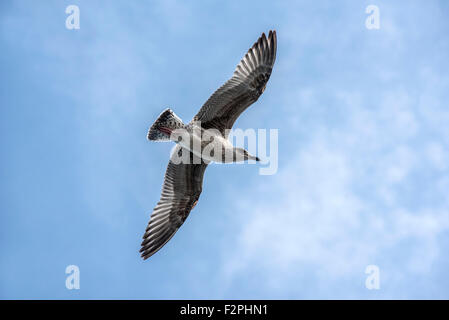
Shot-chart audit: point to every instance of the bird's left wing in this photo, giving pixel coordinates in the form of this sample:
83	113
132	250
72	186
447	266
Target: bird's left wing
244	88
180	192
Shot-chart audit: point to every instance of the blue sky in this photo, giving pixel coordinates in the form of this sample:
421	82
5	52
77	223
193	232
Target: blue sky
363	171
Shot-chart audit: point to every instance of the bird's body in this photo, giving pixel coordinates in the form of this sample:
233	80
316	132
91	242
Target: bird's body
211	141
207	144
204	140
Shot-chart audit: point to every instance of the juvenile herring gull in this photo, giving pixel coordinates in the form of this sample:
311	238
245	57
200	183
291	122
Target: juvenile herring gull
183	180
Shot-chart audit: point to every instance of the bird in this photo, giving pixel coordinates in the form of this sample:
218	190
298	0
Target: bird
183	180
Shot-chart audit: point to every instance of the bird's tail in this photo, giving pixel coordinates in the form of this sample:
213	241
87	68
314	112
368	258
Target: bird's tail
163	127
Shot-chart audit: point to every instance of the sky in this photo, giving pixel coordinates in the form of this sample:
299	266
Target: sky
363	150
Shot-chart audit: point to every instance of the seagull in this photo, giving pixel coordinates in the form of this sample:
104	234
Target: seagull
183	180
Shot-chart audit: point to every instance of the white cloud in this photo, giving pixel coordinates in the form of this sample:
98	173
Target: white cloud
365	178
343	200
438	155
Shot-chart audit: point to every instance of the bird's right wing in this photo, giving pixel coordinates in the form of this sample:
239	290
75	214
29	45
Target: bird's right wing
244	88
180	192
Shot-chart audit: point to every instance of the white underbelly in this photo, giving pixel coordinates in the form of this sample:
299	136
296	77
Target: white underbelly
211	151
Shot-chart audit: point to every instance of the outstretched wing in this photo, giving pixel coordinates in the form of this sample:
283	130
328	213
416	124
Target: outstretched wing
244	88
180	192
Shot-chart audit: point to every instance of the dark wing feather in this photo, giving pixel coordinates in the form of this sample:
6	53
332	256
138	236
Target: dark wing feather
244	88
180	192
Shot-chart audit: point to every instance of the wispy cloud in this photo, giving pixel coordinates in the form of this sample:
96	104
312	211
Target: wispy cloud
364	165
347	199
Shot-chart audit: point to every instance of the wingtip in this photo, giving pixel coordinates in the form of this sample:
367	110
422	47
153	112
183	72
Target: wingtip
144	258
144	254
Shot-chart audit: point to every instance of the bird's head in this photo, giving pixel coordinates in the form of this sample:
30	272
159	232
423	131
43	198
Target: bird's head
241	155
